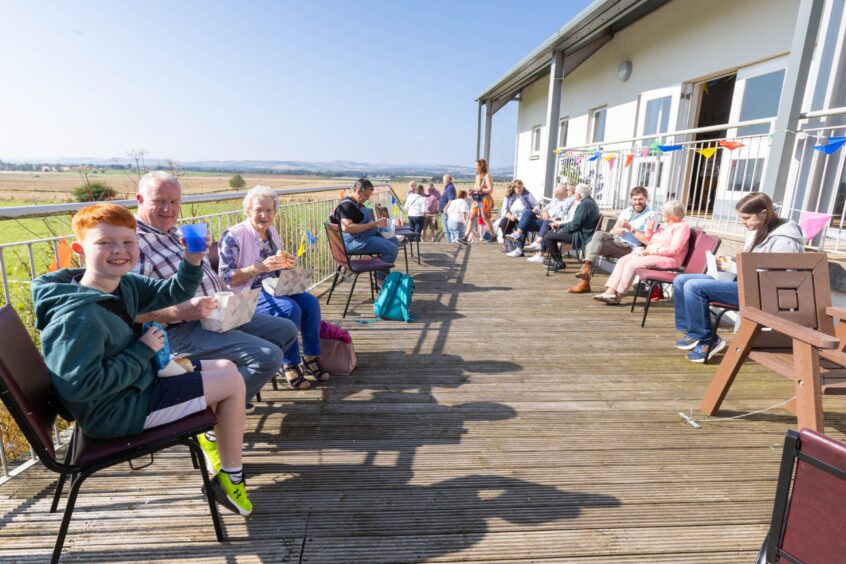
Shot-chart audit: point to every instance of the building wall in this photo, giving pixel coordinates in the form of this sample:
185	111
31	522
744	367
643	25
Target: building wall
683	41
531	169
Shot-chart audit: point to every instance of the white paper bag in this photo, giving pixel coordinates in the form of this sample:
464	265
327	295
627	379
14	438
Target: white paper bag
232	312
289	282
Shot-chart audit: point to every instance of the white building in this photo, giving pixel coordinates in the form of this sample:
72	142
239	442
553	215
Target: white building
767	74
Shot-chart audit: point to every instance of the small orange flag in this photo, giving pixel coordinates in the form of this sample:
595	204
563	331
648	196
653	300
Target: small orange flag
65	254
629	159
731	145
342	195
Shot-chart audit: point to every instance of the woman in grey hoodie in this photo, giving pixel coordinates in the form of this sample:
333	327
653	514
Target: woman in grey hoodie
766	233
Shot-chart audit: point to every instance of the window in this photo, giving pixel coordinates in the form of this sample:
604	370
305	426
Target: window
760	100
536	141
657	117
598	126
746	175
562	132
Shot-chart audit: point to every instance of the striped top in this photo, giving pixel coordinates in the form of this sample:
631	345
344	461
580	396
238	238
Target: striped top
161	254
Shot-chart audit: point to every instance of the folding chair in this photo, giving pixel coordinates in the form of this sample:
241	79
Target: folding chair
355	266
808	523
27	391
694	263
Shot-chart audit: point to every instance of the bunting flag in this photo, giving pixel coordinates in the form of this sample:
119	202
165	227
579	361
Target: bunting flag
611	159
629	159
707	153
396	211
669	148
65	257
812	223
644	152
833	144
655	148
595	156
393	200
312	240
301	249
342	195
731	145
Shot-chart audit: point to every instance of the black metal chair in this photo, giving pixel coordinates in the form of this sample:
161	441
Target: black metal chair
27	391
808	524
370	265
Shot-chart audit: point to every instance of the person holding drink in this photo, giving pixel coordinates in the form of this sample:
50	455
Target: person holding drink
251	252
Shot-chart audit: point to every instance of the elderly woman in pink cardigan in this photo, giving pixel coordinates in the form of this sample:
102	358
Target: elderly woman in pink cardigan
666	249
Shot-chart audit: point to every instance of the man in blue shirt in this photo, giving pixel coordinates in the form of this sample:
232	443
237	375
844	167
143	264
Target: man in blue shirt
447	195
628	232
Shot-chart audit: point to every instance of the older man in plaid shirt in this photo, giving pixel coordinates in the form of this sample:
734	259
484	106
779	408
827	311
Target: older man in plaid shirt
255	347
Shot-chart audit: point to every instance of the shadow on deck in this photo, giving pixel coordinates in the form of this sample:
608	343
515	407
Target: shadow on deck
511	422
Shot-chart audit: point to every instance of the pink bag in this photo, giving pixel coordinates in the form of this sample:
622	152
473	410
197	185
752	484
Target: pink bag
337	357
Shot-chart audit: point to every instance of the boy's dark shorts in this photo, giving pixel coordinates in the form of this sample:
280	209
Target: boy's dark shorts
175	398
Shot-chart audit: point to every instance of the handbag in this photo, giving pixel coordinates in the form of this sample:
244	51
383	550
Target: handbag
289	282
337	357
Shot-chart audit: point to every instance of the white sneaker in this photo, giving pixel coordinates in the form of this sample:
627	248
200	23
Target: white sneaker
538	258
518	252
533	247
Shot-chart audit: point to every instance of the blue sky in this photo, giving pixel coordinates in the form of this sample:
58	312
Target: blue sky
373	81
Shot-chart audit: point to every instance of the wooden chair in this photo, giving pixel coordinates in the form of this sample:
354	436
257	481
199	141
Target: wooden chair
785	300
694	263
27	391
808	523
370	265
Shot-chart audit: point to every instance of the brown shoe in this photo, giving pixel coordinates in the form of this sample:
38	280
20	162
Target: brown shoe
584	273
583	287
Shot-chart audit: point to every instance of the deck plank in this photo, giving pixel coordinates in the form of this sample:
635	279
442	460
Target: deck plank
510	422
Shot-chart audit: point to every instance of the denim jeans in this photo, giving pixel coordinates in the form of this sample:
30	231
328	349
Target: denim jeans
454	230
691	294
416	222
255	347
528	222
374	243
303	310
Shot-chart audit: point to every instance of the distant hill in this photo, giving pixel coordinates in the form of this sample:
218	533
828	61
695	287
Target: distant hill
324	168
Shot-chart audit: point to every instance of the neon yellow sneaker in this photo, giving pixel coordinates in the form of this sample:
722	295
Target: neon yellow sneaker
232	496
210	453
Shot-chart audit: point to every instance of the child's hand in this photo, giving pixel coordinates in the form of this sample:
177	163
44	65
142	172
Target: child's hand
153	338
197	258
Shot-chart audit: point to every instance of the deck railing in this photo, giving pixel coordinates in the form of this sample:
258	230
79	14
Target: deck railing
709	169
23	261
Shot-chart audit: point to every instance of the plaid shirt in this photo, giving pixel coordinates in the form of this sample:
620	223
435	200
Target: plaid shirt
161	254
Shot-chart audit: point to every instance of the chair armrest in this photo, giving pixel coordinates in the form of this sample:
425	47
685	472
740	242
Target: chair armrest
838	312
791	329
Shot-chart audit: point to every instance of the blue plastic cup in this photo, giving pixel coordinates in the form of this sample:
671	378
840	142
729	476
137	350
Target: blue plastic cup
195	237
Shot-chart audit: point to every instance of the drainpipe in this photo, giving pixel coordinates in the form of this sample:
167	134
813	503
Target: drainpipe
553	114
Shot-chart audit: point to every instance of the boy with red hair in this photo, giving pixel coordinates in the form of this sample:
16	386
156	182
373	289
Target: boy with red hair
101	363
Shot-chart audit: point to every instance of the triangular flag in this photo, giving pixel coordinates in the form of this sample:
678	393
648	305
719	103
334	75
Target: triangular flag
65	254
595	156
611	159
393	200
707	153
834	143
342	195
629	159
396	211
301	250
311	238
812	223
731	145
655	148
644	152
669	148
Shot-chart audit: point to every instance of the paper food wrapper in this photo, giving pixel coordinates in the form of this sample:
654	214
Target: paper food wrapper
289	282
233	312
713	270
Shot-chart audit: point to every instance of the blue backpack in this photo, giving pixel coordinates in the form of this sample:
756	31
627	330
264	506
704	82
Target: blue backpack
394	300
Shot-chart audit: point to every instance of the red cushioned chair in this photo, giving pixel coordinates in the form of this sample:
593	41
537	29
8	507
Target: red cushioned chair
355	266
27	391
809	521
694	263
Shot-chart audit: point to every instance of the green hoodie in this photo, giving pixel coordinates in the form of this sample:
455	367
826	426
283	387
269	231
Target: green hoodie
100	369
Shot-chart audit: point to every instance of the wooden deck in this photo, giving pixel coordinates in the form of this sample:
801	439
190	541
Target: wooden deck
510	422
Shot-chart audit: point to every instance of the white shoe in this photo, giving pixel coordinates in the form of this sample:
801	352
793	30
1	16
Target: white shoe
533	247
538	258
518	252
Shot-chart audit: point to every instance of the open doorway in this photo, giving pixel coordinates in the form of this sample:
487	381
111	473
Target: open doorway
715	98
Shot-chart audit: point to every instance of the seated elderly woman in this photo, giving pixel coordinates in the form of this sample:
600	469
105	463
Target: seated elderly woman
665	249
252	251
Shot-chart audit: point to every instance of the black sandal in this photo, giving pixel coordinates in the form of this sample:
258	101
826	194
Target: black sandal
295	377
316	370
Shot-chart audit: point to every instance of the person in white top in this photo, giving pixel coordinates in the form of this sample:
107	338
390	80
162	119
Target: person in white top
415	207
457	214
